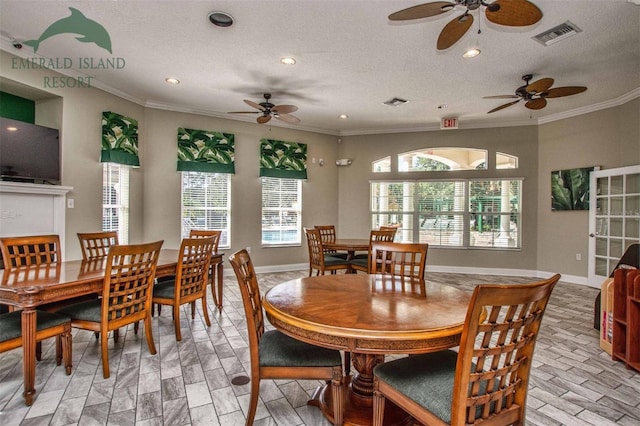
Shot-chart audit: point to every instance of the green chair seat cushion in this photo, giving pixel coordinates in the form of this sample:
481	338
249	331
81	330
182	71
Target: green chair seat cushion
165	289
427	379
330	260
84	311
11	323
338	255
364	262
364	256
279	350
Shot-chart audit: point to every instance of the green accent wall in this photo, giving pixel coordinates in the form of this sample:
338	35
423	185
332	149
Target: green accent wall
17	108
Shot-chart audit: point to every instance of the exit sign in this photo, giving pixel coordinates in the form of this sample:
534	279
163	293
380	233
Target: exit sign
449	123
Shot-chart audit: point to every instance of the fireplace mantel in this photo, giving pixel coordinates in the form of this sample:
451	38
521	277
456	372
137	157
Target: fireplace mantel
32	209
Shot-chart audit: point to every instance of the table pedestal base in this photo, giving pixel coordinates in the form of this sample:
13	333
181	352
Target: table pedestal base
355	414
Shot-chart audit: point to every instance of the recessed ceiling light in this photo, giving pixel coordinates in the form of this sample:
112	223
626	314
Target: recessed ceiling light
172	80
288	60
471	53
343	116
12	129
221	19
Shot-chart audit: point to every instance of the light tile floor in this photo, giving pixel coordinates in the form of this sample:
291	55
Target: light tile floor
573	381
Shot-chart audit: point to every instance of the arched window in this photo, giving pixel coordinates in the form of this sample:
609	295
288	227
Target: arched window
382	165
442	159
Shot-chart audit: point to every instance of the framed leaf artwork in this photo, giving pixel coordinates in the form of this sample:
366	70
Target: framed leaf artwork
570	189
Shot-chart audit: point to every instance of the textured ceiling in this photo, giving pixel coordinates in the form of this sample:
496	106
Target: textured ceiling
350	59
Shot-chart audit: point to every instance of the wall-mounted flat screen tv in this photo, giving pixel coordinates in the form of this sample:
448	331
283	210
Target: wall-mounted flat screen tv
29	153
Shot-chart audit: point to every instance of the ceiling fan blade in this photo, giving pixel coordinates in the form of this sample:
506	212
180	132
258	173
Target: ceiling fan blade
559	92
538	103
284	109
501	97
263	119
503	106
540	86
422	11
287	117
253	104
453	31
514	13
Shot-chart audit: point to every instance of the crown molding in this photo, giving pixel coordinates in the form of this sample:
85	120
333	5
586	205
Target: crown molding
621	100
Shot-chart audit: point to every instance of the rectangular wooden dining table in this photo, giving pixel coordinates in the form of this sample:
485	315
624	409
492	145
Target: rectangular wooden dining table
29	288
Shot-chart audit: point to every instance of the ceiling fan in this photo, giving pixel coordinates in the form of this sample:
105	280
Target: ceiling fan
536	94
512	13
268	110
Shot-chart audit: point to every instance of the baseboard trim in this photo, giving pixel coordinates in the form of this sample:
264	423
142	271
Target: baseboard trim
573	279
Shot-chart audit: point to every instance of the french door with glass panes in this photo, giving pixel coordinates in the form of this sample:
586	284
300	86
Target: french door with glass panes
614	219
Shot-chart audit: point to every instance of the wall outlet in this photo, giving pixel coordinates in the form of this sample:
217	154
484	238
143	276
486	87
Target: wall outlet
70	203
248	249
578	256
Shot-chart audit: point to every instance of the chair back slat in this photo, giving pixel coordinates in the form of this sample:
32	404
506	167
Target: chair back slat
206	233
316	251
402	259
95	245
251	299
36	250
129	277
496	348
192	274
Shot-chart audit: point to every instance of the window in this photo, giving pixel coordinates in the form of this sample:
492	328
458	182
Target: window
442	159
281	211
459	213
115	200
382	165
506	161
206	203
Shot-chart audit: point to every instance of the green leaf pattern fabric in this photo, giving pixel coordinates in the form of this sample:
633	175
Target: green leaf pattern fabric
205	151
283	159
119	139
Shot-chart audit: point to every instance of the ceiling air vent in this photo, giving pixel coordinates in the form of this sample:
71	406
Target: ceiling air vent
396	102
557	34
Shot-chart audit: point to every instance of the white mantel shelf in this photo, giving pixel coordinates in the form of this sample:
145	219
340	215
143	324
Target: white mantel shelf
33	188
33	209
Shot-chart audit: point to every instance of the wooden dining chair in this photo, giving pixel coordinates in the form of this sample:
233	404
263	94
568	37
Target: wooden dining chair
274	355
32	252
126	296
199	233
486	381
190	281
48	325
360	262
400	259
95	245
320	261
328	235
28	251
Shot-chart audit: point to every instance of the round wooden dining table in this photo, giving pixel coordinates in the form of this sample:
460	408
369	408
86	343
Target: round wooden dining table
369	316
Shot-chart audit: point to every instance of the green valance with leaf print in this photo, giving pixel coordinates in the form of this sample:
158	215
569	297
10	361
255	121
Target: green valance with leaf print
119	139
283	159
205	151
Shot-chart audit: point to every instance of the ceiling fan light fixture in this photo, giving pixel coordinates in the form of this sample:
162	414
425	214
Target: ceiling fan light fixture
221	19
471	53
